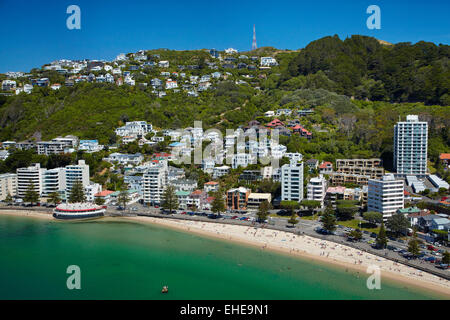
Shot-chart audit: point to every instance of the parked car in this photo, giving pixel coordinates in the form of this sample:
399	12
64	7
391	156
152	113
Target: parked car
437	254
323	231
234	217
389	247
373	235
430	259
443	266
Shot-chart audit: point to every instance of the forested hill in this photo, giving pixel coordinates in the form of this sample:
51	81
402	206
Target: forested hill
323	76
362	67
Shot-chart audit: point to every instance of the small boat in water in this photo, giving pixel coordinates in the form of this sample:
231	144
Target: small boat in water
165	289
78	211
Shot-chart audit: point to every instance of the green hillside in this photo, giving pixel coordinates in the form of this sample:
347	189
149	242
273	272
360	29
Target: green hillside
323	76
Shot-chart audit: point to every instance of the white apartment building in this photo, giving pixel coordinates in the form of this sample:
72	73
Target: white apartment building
208	165
294	156
385	195
69	140
317	189
154	182
8	185
77	172
292	182
410	146
267	172
278	151
26	177
242	159
90	146
220	171
53	180
163	64
231	51
8	85
124	158
50	147
268	62
91	190
136	128
57	145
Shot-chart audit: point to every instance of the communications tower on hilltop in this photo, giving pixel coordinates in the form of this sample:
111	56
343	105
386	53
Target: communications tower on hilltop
254	46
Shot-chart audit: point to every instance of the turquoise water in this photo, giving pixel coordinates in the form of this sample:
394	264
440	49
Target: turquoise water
126	260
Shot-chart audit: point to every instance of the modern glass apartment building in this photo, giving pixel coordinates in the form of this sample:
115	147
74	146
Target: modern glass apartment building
410	146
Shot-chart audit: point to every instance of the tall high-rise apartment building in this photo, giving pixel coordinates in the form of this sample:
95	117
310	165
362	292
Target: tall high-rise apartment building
292	181
410	146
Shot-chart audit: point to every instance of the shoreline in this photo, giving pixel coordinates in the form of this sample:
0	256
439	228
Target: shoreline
299	246
408	276
25	213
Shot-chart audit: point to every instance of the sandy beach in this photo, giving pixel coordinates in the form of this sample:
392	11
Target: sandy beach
28	213
312	248
304	246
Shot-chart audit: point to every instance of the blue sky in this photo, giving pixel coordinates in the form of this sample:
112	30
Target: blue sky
34	32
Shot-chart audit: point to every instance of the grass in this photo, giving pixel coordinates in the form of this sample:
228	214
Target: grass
355	225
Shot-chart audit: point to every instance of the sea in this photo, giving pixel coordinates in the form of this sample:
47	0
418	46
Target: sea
114	258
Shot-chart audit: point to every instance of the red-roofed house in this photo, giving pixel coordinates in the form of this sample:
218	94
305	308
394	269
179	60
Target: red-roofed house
211	186
445	159
105	195
414	217
275	123
326	167
302	131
